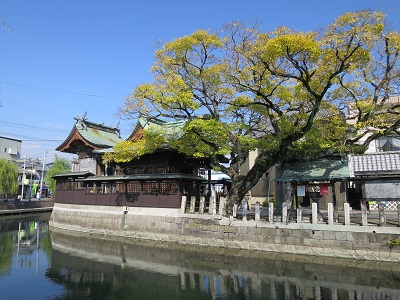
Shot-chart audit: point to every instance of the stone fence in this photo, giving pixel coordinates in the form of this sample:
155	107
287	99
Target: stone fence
363	217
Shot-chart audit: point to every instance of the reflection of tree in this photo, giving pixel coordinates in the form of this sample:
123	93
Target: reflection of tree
45	244
6	247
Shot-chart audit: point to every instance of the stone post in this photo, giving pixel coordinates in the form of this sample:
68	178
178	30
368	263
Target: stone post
398	212
284	212
364	215
211	205
257	212
221	209
271	212
234	212
299	214
346	214
381	210
314	213
183	204
330	213
244	208
192	204
214	204
202	203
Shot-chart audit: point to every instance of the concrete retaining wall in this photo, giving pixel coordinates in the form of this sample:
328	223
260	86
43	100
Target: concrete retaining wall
356	242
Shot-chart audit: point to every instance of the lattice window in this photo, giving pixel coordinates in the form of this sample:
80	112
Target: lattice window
79	185
134	187
150	188
168	187
66	186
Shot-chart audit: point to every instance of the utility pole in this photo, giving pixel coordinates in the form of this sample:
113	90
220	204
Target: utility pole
41	179
23	180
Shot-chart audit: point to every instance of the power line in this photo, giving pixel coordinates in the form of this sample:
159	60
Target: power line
59	91
29	138
30	127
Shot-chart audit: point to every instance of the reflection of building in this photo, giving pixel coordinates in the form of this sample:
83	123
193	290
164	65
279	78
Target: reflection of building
20	237
153	270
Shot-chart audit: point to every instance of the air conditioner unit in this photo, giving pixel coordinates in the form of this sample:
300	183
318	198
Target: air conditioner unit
12	151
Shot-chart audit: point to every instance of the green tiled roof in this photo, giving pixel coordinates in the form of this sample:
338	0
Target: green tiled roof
323	170
98	134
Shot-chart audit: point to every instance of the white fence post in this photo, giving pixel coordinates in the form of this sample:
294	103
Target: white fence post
221	209
284	212
381	210
214	205
271	212
210	205
192	204
299	214
330	213
234	212
314	217
183	204
244	208
257	212
202	204
346	214
364	215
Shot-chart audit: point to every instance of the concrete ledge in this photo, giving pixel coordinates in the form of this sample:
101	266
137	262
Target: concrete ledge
335	241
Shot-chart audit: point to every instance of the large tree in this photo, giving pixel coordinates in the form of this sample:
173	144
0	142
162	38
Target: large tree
9	177
60	165
284	93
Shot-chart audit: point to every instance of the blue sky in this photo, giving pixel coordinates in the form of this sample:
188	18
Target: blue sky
65	58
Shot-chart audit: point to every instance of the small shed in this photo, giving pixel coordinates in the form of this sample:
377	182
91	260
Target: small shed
322	181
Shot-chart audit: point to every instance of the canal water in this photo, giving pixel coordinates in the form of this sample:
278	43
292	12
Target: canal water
38	263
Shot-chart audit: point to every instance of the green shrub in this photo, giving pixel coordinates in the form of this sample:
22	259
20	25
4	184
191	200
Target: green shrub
269	200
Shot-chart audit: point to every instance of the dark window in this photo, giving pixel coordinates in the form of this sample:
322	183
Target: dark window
388	143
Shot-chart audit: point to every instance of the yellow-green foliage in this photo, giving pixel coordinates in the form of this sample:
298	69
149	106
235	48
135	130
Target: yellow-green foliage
392	243
243	89
8	176
6	247
152	140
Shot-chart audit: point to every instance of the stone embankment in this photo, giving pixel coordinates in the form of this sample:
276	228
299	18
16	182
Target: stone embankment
15	207
374	243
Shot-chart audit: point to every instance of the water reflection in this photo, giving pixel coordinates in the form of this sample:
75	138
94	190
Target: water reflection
96	268
36	263
22	236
